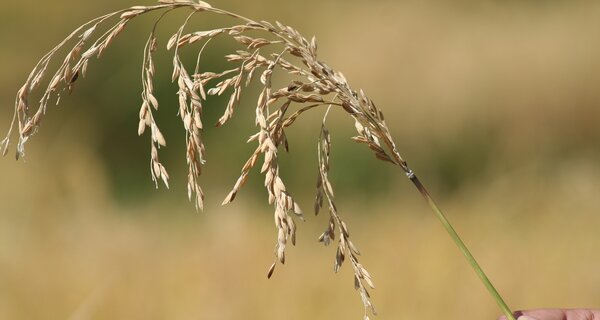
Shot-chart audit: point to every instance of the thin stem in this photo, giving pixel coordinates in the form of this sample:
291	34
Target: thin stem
461	245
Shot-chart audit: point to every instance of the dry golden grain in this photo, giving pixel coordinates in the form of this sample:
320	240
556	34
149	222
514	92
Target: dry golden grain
315	85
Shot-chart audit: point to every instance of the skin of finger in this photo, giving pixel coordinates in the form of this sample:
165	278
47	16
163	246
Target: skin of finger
559	314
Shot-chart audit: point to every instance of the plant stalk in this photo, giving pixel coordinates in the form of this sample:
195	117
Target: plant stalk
461	245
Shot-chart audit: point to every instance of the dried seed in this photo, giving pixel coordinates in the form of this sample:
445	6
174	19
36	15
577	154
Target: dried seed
86	35
271	269
156	167
202	4
230	197
164	176
172	41
141	127
159	137
131	14
153	101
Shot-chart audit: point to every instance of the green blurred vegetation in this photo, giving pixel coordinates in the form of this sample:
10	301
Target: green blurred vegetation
494	104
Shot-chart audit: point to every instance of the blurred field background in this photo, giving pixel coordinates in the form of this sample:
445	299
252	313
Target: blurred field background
494	104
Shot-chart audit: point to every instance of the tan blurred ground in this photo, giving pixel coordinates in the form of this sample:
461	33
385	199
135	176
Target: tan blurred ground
494	104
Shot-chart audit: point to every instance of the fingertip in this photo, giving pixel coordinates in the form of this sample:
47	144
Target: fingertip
516	314
526	318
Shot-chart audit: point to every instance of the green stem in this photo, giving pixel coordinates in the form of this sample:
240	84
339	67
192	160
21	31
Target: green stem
461	245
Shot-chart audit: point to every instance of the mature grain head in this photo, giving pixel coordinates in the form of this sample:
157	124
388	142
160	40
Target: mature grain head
281	49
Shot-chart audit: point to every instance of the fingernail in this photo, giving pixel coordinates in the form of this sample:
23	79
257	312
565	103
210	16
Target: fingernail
526	318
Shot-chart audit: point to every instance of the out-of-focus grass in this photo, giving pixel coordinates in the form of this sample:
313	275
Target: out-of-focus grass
494	104
78	254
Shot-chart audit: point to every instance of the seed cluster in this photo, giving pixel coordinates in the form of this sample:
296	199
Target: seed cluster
315	85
